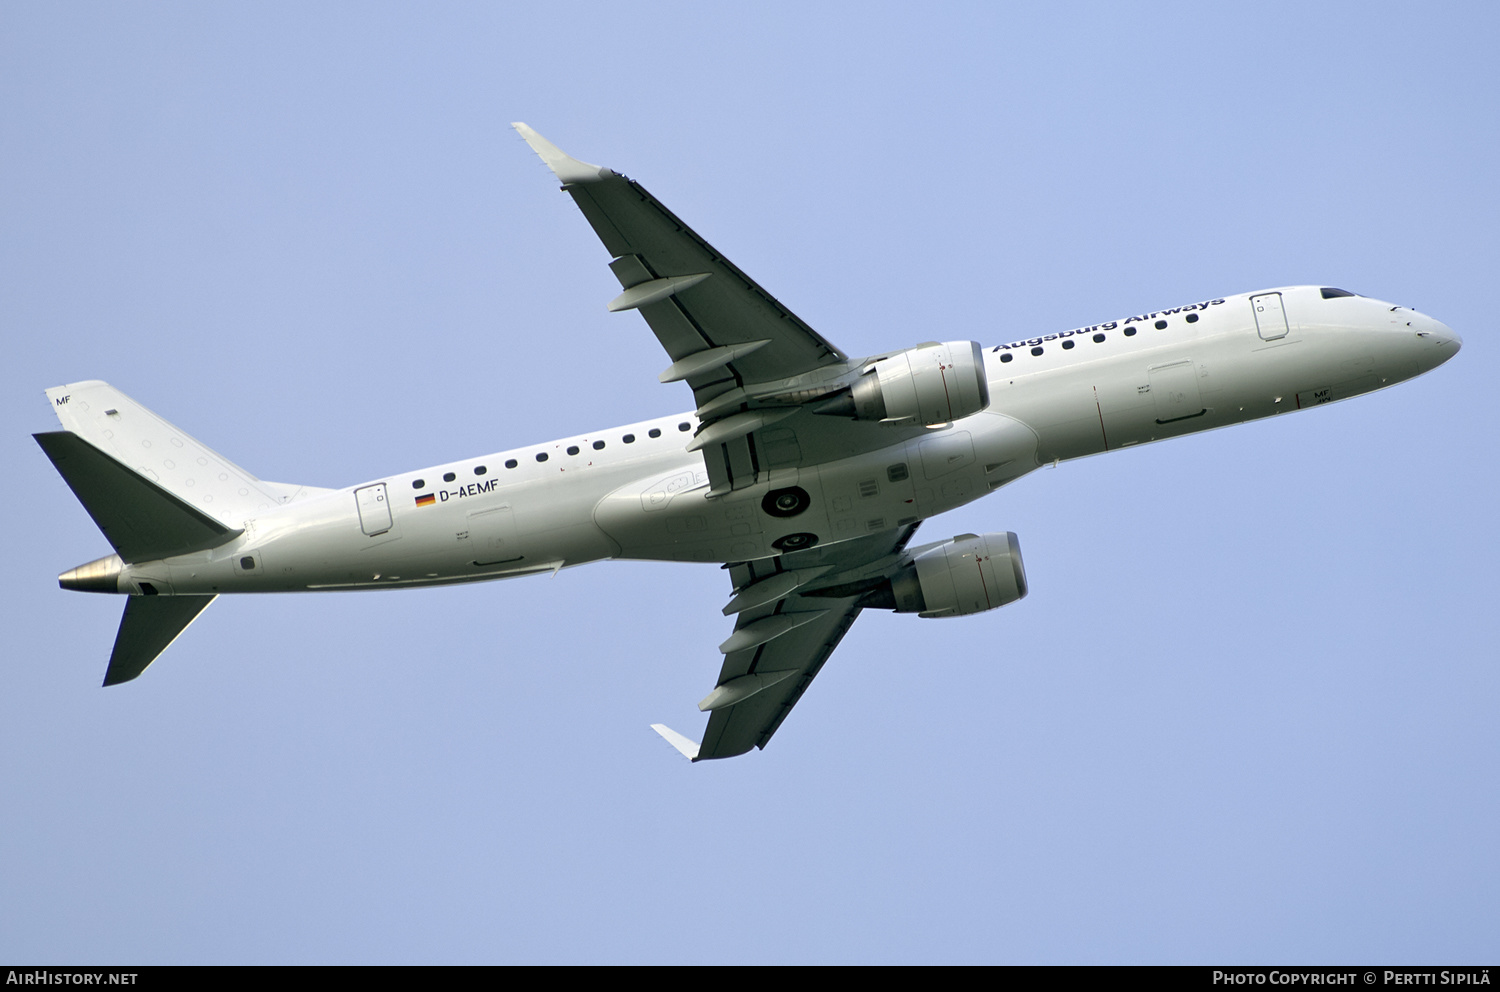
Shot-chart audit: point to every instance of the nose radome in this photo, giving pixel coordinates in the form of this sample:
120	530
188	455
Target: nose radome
1445	335
1453	338
1441	343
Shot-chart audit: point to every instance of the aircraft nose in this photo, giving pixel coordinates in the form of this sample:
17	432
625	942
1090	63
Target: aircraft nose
1438	343
1452	339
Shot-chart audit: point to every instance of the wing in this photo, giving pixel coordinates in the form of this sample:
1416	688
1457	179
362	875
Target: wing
696	301
750	361
793	611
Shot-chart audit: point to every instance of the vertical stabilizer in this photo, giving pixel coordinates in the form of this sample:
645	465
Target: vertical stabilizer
149	625
182	465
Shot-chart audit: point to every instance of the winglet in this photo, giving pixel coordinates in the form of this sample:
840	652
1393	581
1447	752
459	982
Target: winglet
565	167
688	749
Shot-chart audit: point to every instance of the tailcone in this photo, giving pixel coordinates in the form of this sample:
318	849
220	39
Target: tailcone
102	575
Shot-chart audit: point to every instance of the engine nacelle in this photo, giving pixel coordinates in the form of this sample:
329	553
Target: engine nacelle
931	384
969	574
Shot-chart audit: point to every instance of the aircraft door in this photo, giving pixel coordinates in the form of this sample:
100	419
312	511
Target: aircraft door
1270	316
1175	388
374	509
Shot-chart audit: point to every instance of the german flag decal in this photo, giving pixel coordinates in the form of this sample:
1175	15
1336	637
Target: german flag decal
427	500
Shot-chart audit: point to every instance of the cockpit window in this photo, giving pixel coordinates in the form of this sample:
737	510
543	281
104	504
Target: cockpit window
1330	293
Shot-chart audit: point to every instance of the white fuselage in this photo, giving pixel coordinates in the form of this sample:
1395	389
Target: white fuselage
624	493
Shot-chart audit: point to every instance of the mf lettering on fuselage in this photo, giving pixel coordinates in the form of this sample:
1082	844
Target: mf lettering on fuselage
803	471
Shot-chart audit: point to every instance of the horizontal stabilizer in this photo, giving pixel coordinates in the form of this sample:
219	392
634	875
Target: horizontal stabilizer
149	625
688	749
141	519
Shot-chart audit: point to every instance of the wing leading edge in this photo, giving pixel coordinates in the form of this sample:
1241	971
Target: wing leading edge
749	360
694	298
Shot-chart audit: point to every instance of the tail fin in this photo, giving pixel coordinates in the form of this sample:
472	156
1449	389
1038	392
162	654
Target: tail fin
183	466
141	519
149	625
155	492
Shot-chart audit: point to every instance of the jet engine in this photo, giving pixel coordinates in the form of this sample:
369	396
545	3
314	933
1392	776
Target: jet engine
931	383
969	574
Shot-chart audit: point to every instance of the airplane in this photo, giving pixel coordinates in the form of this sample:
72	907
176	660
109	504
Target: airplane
803	472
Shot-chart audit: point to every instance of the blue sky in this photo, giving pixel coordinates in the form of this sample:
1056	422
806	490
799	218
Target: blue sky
1245	715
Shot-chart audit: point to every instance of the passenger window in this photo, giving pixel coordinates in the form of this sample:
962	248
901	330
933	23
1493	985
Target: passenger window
418	483
684	426
598	445
1161	325
1007	357
480	470
629	439
541	456
449	476
1098	338
1037	350
654	432
1067	344
572	449
510	463
1192	318
1130	332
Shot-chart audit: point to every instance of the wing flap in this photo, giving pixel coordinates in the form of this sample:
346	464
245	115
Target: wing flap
736	728
729	308
762	680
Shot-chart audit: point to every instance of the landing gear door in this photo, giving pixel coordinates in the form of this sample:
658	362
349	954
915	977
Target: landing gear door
374	509
1270	316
